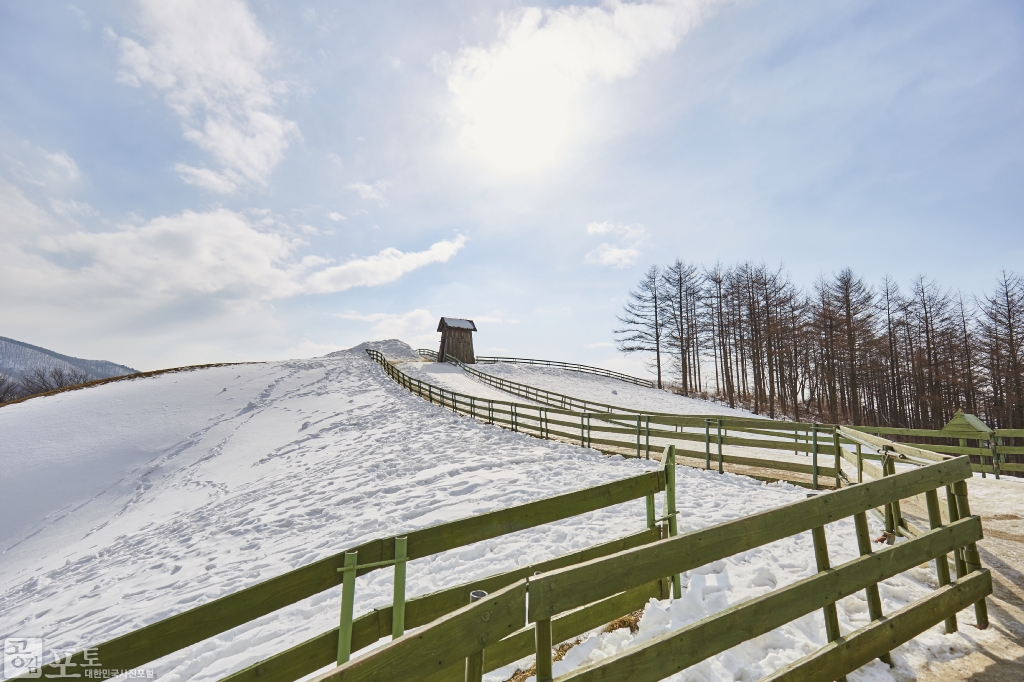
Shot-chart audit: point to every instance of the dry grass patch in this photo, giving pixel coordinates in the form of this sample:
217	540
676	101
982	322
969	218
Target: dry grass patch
630	620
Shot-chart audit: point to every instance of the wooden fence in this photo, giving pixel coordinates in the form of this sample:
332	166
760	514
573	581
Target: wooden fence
987	457
334	646
633	433
993	456
613	578
459	646
571	366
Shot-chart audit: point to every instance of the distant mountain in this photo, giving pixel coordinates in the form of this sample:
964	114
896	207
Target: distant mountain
19	359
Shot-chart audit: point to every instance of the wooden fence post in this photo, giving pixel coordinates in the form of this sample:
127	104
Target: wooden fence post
860	464
398	603
670	510
542	637
638	436
860	522
707	444
814	456
931	498
995	455
954	515
720	446
971	557
837	446
821	559
651	512
348	598
897	513
647	437
475	662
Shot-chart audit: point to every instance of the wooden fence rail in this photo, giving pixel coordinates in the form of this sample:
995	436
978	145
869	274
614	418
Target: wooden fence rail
471	632
990	456
195	625
619	430
571	366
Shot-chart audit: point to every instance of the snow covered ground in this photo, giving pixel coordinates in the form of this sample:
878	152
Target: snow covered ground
129	502
455	379
606	390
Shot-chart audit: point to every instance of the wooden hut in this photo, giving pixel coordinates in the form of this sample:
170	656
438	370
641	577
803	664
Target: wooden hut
456	340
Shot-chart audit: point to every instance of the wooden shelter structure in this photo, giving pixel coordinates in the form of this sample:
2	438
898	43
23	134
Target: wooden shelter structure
456	340
966	427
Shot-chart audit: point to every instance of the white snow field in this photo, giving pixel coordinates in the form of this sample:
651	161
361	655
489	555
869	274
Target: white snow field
455	379
129	502
606	390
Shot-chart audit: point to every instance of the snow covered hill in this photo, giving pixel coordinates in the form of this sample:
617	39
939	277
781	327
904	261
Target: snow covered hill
17	359
606	390
128	502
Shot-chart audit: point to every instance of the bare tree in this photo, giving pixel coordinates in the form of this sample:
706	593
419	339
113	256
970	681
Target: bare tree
1002	328
10	389
681	285
41	380
642	322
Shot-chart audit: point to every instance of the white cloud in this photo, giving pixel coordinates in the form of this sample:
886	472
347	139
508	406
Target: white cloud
83	21
414	327
613	256
601	344
71	208
218	253
206	178
624	251
64	165
386	266
209	59
336	217
633	232
374	192
519	100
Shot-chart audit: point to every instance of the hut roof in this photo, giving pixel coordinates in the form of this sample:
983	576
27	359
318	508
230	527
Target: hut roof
455	323
966	426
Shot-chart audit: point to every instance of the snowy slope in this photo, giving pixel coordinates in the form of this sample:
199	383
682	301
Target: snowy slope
606	390
185	487
18	358
455	379
188	486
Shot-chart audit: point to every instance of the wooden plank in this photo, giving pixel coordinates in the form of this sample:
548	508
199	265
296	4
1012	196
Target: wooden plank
780	465
569	588
454	534
895	431
955	449
900	448
861	647
315	653
676	651
870	469
567	626
446	642
184	629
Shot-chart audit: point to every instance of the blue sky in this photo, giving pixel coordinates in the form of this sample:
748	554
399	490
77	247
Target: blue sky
197	182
